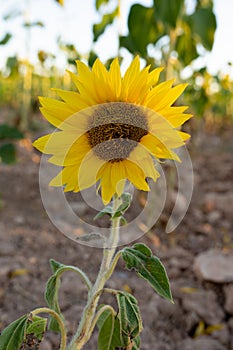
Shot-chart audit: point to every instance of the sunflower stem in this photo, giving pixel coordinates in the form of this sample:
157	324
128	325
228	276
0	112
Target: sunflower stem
88	320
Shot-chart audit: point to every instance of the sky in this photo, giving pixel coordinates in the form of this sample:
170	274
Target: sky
74	23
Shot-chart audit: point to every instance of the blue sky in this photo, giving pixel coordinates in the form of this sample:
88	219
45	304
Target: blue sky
74	24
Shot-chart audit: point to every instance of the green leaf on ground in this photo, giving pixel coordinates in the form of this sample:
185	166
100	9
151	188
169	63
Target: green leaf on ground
149	267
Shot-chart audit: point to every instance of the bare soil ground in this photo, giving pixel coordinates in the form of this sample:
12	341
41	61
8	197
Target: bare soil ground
202	316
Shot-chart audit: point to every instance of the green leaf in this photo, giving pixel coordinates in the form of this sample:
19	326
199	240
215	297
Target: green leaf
37	327
129	317
105	211
55	265
51	297
7	153
168	11
149	267
92	57
126	201
99	28
106	333
109	331
136	343
203	22
13	336
140	35
9	132
52	288
99	3
6	38
186	46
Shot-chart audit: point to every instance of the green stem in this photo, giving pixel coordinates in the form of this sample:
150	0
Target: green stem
86	326
79	272
59	320
99	313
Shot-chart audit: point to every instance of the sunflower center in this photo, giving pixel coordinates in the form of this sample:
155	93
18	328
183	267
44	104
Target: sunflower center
115	129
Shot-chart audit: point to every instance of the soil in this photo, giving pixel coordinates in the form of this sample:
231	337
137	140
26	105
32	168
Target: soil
199	319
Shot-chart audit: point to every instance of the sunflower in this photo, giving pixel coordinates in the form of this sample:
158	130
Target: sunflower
113	128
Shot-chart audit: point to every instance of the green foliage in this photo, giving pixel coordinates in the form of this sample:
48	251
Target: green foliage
6	39
99	3
92	57
13	336
7	149
7	153
9	132
168	18
37	326
185	44
149	267
140	35
109	331
126	199
12	64
203	25
121	330
99	28
51	293
129	317
168	12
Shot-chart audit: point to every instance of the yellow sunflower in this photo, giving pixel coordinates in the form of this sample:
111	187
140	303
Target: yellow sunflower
112	128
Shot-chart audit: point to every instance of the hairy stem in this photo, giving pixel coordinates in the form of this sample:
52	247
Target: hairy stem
88	320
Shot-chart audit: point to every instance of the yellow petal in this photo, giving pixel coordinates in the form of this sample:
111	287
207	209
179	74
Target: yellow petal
73	99
101	78
129	78
55	111
179	119
170	97
115	77
135	175
73	154
107	188
154	76
157	93
89	171
141	156
67	177
157	148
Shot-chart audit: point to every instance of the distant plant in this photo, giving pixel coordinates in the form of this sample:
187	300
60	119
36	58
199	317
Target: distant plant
8	134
